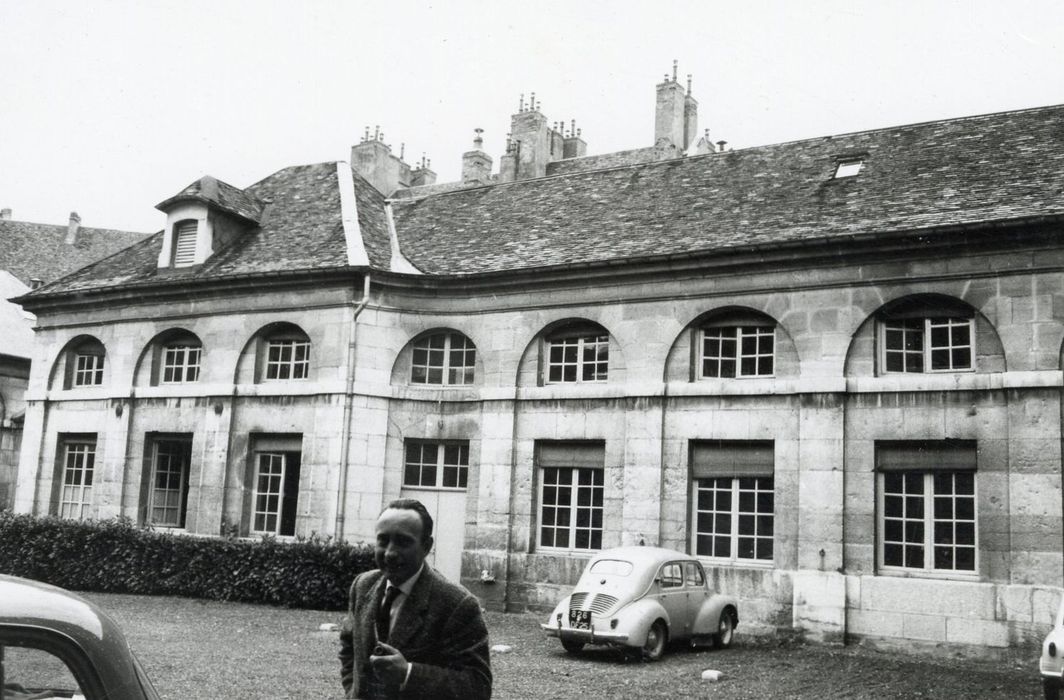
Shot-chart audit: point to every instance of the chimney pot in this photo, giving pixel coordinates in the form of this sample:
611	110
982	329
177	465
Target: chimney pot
5	213
721	145
72	228
35	282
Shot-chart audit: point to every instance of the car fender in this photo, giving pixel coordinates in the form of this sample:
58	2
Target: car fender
636	618
709	615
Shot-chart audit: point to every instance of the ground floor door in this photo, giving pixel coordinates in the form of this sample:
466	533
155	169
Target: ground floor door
447	509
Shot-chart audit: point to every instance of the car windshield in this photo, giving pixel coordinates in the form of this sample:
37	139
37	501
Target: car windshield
612	567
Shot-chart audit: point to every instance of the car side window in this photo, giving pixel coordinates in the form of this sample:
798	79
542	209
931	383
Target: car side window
35	673
695	577
671	576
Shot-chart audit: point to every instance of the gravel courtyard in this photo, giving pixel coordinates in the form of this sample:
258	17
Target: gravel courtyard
202	650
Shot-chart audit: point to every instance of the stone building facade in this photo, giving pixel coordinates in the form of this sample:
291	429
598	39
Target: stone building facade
831	368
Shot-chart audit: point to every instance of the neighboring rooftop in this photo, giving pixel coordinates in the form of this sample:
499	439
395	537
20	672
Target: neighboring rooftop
41	251
16	325
938	175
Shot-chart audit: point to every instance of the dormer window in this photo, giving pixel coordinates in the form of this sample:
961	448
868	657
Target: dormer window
185	243
848	167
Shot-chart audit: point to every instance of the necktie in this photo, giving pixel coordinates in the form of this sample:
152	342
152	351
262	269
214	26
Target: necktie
384	613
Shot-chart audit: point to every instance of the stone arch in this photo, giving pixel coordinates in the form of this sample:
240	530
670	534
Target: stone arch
250	365
61	374
682	361
533	369
403	366
146	370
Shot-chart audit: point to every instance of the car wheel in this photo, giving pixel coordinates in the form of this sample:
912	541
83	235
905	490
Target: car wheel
725	631
573	647
655	644
1051	688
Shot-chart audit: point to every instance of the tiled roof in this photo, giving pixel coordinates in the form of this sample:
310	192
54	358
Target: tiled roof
29	250
962	171
211	190
991	168
300	229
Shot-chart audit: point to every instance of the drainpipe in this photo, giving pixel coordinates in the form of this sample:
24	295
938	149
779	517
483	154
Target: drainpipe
345	429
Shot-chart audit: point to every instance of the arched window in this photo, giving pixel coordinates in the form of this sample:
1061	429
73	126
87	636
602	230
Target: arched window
577	352
84	363
444	359
926	334
283	354
735	346
176	358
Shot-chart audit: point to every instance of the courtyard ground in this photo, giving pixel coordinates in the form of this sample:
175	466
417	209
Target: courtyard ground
202	650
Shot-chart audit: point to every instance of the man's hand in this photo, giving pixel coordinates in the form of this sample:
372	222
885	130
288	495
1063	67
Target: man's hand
389	664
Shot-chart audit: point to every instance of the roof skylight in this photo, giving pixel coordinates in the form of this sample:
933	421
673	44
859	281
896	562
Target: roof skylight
848	168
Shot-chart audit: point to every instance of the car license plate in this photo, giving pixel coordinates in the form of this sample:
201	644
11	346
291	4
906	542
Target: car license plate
580	619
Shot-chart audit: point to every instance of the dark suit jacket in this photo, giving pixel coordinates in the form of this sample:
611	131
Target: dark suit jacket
439	630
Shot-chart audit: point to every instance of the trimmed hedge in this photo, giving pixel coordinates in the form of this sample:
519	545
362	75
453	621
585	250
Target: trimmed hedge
115	556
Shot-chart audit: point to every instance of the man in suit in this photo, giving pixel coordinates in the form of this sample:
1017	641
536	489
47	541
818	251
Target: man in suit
409	632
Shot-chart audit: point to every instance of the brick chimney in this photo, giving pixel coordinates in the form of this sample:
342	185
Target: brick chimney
528	129
72	228
669	113
476	164
373	160
5	214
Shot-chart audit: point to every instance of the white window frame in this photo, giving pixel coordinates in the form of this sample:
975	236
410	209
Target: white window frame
572	510
927	349
181	363
734	516
756	332
436	463
75	485
288	362
848	167
88	369
928	521
272	488
449	374
162	465
583	343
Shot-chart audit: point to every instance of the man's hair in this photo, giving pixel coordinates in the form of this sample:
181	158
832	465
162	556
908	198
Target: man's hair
419	508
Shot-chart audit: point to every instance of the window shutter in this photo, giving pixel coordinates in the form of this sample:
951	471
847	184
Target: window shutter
712	458
926	455
570	454
185	244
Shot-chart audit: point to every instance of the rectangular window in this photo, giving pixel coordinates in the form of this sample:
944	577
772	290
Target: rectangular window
733	500
436	464
185	244
927	506
276	491
444	358
738	351
583	358
75	491
181	364
88	369
171	459
571	494
287	359
942	344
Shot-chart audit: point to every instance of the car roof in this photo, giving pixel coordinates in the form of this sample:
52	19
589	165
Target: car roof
649	556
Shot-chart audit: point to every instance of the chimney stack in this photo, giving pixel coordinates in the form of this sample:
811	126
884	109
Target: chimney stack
670	113
5	214
690	116
476	164
72	228
423	174
531	136
373	160
575	147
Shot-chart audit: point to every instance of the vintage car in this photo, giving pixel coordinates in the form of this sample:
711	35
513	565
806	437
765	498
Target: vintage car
1052	662
641	598
54	644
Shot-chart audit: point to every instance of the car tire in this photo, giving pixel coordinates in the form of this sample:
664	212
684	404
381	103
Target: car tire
1051	688
657	636
725	633
572	646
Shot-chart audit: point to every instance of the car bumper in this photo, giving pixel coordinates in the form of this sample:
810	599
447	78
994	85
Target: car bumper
590	636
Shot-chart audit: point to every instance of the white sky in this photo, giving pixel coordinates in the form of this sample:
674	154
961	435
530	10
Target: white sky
108	108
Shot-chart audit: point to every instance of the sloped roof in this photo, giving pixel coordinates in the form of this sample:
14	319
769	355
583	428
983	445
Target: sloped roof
962	171
936	175
16	326
210	190
29	250
301	228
